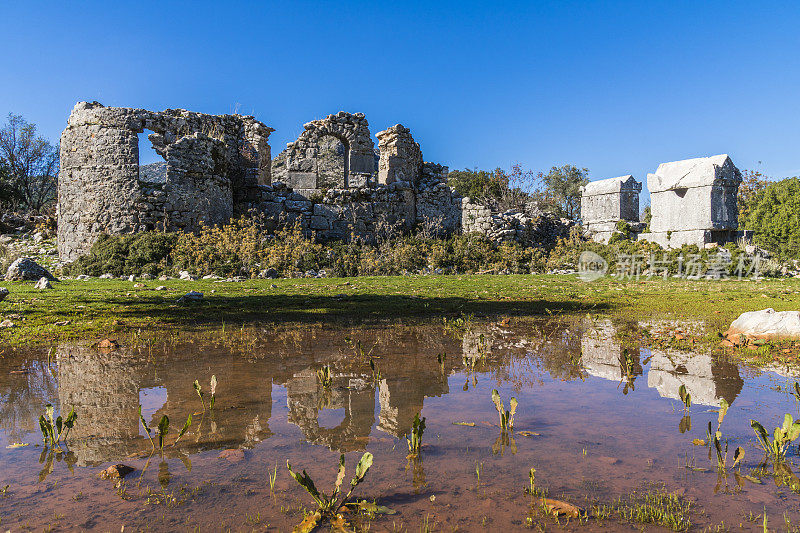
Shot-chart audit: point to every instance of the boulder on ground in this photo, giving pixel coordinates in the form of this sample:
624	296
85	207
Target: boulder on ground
766	324
43	284
3	293
191	296
26	269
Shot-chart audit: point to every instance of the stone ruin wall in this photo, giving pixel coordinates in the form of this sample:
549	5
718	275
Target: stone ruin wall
331	180
214	164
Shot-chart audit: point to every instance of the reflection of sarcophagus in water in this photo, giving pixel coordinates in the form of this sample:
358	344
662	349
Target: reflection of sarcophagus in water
706	379
306	398
604	357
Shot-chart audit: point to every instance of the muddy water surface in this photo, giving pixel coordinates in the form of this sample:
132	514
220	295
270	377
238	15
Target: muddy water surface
596	419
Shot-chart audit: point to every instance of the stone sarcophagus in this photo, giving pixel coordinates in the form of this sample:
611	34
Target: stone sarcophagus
694	202
606	202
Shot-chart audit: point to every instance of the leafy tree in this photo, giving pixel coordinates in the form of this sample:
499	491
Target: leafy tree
562	189
30	162
773	213
478	184
753	183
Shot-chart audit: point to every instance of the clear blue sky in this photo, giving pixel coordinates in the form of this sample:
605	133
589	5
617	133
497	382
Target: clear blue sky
617	87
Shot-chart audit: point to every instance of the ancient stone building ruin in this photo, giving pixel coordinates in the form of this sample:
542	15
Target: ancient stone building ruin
604	203
214	165
692	202
331	180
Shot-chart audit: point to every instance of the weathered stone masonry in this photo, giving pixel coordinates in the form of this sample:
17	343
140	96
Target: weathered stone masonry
692	202
219	167
214	164
331	180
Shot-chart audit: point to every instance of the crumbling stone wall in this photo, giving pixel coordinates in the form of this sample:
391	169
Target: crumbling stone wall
330	180
303	165
400	156
534	229
214	164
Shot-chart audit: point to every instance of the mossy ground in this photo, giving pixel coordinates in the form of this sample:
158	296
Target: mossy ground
97	308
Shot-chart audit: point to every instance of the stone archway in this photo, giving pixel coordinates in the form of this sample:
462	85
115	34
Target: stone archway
305	164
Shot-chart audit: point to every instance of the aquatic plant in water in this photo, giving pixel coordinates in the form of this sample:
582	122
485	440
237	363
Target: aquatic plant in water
415	440
324	376
56	430
328	507
199	390
506	416
685	397
163	429
783	436
376	373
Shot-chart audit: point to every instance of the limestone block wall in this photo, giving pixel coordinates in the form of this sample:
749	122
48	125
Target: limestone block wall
437	205
400	156
213	167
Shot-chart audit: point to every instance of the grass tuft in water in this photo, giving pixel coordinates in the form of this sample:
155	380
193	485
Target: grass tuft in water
654	505
56	430
506	416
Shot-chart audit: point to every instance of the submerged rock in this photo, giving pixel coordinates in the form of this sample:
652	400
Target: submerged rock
766	324
116	471
25	268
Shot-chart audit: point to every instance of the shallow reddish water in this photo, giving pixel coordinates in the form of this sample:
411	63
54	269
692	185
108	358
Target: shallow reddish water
604	428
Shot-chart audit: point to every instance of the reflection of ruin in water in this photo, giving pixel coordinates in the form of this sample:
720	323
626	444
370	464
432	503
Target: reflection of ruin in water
107	388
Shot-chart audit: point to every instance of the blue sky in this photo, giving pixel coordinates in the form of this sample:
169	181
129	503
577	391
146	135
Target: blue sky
617	87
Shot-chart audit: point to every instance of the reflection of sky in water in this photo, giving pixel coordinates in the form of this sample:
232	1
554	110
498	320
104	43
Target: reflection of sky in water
151	399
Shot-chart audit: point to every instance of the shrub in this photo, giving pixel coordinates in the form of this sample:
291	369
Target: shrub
140	253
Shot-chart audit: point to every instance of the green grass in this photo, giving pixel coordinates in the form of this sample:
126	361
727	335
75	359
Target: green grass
97	308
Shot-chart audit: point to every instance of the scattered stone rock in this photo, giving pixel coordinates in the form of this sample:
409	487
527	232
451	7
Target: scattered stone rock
7	324
139	285
145	276
766	324
26	269
107	344
116	472
184	275
191	296
64	323
3	293
43	284
161	288
107	275
83	277
270	273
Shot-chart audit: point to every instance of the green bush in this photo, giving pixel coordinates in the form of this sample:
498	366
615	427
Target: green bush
140	253
774	216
